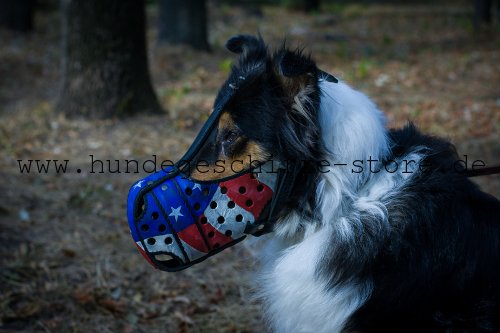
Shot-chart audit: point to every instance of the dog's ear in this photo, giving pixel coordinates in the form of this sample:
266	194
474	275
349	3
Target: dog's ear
239	43
247	46
293	64
298	76
252	51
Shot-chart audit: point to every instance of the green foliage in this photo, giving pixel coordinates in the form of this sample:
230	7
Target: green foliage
334	8
464	22
291	4
87	195
387	40
175	93
225	65
362	68
353	11
342	50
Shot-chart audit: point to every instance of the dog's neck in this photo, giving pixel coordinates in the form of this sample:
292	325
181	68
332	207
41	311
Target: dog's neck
352	128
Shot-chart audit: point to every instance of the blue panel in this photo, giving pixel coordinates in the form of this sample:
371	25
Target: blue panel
197	195
174	205
152	223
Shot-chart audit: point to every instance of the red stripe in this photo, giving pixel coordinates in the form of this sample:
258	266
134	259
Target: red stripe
214	237
146	256
193	238
251	200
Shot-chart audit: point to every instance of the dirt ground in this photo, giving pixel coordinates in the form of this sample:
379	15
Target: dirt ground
68	263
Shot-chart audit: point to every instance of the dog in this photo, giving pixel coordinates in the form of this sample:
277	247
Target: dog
381	232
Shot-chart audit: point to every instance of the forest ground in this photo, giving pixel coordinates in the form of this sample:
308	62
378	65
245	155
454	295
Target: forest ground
67	262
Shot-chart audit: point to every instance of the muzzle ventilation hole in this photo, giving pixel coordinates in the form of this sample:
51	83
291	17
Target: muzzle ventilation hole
242	189
249	203
151	241
231	204
145	227
167	260
197	206
168	240
239	218
228	233
162	228
260	187
155	215
223	190
188	191
221	219
213	205
205	191
203	220
210	234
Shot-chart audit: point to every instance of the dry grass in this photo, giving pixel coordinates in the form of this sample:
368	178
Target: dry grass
67	261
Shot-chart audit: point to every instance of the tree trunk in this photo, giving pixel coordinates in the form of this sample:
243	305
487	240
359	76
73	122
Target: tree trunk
303	5
17	14
183	22
482	12
105	68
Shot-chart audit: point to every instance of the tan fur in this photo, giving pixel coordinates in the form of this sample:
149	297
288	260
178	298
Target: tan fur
298	90
252	153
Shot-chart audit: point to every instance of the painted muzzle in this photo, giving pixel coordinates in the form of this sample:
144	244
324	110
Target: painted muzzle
176	221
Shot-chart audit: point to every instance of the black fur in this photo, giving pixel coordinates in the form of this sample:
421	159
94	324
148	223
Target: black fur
438	270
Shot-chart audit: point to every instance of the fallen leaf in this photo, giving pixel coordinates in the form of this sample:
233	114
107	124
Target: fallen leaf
69	253
83	297
112	305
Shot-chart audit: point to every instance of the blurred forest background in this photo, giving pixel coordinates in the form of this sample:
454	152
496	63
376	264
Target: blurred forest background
126	79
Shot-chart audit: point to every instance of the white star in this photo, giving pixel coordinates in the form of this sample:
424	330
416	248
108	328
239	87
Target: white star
197	186
138	184
176	212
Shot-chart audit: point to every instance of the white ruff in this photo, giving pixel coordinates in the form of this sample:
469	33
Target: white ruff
296	298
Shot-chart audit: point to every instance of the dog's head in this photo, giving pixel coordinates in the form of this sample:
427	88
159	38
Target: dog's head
265	114
271	114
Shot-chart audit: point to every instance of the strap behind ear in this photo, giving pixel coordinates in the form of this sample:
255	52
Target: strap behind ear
327	77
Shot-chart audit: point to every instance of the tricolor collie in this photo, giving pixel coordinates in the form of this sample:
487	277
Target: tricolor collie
382	232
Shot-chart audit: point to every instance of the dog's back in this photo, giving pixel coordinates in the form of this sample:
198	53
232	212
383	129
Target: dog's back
439	271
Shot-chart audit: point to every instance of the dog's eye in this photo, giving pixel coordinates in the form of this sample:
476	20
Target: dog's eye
229	137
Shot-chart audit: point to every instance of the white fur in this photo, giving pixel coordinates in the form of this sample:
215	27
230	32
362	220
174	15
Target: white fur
297	298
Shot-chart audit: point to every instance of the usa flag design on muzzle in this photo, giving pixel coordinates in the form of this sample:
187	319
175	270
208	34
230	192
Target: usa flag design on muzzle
177	222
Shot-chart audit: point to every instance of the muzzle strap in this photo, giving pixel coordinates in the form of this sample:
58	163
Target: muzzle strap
285	182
